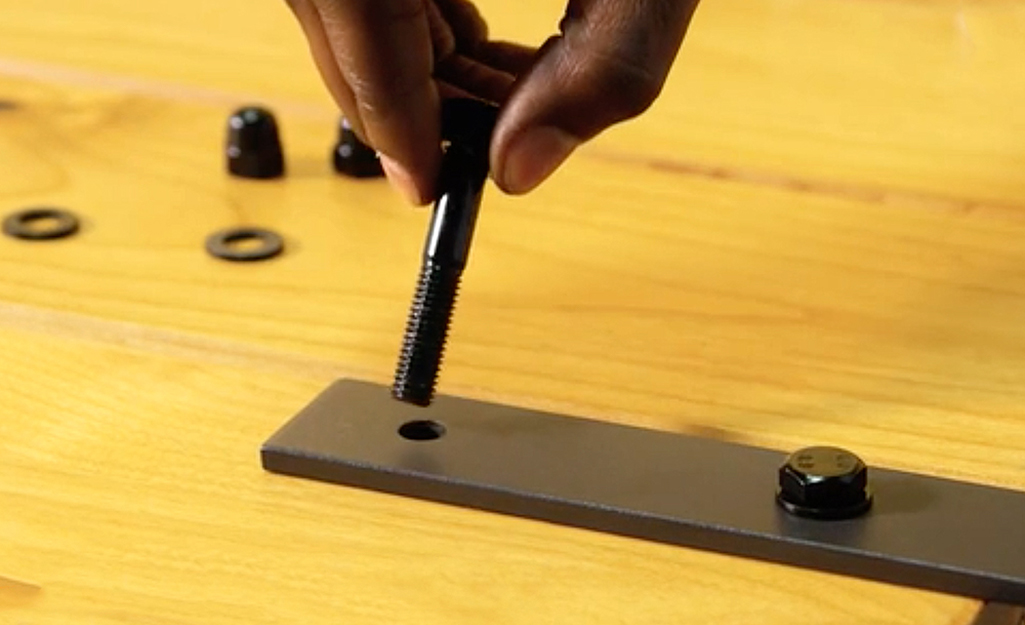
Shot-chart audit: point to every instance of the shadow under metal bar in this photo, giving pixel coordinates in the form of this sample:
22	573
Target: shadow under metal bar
1000	614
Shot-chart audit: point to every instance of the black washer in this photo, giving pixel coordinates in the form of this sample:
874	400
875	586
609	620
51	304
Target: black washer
24	224
219	244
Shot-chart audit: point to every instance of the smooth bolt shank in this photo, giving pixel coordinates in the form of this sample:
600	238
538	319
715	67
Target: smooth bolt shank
466	126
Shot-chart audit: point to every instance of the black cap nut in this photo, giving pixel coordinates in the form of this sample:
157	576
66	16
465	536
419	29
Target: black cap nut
824	483
354	158
253	144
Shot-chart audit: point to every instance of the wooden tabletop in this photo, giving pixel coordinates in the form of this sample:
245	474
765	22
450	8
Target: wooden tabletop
817	235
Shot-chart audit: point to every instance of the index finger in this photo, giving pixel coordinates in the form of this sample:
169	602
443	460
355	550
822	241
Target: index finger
385	54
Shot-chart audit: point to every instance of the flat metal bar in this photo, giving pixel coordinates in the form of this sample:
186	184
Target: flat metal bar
923	532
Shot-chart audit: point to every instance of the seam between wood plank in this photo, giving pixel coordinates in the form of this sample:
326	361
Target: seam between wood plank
157	89
806	186
177	92
170	343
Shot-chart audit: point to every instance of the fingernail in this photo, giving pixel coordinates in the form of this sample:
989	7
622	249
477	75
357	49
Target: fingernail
401	179
533	156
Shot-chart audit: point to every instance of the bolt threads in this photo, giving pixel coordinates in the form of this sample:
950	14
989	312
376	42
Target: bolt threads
467	125
426	332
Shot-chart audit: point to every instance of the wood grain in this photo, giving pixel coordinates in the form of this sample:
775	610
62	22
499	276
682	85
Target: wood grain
814	236
137	495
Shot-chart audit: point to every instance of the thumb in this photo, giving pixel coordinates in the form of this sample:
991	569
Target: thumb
608	65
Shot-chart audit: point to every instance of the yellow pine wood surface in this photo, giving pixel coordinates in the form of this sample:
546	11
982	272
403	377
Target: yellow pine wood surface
814	236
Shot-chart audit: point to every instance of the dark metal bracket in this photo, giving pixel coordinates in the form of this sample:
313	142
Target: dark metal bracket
922	532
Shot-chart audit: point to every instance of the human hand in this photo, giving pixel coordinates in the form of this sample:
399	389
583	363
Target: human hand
389	63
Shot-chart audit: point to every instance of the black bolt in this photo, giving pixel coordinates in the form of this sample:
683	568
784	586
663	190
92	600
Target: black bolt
824	483
352	157
253	144
466	130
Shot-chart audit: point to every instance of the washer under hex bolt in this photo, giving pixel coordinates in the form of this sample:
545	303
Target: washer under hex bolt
466	126
824	483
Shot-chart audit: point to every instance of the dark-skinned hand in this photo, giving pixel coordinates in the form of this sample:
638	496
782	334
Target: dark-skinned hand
389	64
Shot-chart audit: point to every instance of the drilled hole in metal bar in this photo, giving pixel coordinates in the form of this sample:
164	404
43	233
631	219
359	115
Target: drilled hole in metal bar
422	430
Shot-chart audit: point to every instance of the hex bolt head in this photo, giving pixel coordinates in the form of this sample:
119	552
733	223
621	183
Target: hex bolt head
253	144
824	483
353	158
